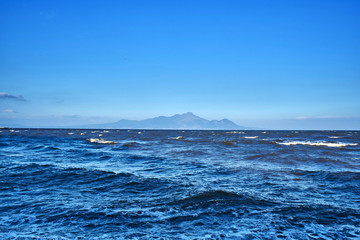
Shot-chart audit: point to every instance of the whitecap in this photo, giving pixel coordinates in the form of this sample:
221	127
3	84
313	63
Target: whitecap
254	137
321	144
176	138
334	137
70	133
100	140
82	133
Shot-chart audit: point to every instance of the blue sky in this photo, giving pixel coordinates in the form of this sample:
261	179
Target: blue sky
267	64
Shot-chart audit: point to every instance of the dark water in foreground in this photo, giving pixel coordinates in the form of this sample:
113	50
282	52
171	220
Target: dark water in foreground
56	184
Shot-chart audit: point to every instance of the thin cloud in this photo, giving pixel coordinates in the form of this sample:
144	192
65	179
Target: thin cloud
318	117
66	116
8	111
301	118
4	95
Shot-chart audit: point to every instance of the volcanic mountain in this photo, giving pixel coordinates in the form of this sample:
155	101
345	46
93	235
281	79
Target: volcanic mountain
178	121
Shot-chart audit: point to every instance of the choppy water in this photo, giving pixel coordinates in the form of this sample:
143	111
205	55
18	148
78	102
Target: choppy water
143	184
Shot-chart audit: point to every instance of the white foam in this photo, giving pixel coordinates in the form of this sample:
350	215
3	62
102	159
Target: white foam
100	140
70	133
235	132
334	137
16	131
321	144
82	133
251	137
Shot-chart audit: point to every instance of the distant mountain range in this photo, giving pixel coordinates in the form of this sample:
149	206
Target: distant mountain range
178	121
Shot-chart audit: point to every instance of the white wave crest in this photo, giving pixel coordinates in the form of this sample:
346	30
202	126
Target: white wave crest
176	138
100	140
251	137
321	144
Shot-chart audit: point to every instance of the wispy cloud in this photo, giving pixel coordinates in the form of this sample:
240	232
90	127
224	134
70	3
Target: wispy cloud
318	117
4	95
66	116
301	118
8	111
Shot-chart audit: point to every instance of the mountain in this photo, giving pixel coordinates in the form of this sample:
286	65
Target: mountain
178	121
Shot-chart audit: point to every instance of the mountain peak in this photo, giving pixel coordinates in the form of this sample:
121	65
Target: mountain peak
188	114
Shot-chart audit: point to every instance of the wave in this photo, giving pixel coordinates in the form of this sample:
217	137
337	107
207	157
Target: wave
100	140
220	197
176	138
254	137
228	143
190	153
261	156
338	176
320	144
38	175
130	144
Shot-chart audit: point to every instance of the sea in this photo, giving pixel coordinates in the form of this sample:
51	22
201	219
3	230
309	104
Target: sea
174	184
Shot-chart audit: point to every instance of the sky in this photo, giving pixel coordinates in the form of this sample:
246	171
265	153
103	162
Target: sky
266	64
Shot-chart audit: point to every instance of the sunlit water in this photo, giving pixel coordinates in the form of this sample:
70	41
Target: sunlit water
143	184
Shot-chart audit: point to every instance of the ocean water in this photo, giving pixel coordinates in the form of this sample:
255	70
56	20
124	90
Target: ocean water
151	184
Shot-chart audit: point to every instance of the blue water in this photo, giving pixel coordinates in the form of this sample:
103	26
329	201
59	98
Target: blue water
144	184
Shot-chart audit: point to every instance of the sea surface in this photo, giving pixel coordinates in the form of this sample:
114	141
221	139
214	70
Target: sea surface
160	184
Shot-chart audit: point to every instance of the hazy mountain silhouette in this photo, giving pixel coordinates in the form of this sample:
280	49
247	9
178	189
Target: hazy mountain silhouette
178	121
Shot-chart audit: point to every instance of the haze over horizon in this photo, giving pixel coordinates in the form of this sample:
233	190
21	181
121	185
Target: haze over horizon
269	65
